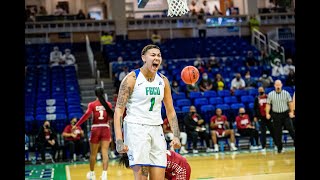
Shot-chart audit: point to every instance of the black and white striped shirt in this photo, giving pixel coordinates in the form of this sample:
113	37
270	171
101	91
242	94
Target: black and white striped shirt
279	101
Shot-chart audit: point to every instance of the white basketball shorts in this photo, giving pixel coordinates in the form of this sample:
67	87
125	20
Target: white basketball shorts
146	143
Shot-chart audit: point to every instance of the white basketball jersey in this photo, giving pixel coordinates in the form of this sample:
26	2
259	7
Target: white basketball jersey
145	102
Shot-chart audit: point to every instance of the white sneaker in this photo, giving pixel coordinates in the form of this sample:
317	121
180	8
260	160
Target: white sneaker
91	176
233	147
253	147
263	149
98	156
183	150
209	150
104	176
195	151
216	148
112	155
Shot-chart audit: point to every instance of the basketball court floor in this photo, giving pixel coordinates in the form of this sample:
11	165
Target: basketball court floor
242	165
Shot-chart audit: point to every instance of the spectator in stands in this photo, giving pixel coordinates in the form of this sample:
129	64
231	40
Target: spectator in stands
201	24
254	23
106	38
205	8
218	83
193	7
192	88
259	108
249	81
169	136
32	17
47	137
68	58
220	128
198	63
277	68
289	66
81	15
59	11
213	63
205	83
266	80
43	11
291	80
264	58
245	128
175	88
55	56
237	83
251	60
123	73
216	11
155	37
73	140
195	126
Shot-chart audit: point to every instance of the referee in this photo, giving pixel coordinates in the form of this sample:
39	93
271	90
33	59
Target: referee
282	112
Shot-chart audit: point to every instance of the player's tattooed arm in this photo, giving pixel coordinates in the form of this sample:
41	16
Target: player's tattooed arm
125	91
175	127
145	171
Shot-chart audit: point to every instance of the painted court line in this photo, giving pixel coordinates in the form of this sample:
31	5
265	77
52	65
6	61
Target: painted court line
68	172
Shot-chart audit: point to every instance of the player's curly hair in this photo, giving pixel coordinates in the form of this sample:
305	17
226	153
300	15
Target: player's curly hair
100	94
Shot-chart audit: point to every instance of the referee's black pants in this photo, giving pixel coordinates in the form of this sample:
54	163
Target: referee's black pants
280	120
264	124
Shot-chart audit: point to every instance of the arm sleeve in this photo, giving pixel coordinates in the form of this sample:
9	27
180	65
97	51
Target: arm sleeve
85	116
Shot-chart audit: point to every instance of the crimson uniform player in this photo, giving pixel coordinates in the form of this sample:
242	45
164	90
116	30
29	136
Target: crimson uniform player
177	168
260	104
245	128
100	131
218	123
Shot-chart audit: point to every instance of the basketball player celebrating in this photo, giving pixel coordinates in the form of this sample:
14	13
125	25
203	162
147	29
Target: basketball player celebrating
177	168
100	131
141	93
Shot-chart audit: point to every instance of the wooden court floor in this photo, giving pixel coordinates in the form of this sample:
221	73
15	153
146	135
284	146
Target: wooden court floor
242	165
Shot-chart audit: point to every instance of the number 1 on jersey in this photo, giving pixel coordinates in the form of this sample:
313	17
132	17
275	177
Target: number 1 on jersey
101	115
152	103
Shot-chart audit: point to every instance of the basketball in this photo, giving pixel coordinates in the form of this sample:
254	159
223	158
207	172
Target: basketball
190	74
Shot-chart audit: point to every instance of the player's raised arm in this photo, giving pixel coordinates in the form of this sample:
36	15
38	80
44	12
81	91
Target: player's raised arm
125	90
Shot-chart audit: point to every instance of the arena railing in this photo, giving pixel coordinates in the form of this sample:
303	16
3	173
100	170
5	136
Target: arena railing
69	26
146	23
259	40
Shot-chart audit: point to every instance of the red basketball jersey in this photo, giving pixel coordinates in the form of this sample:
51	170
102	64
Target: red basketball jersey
177	166
96	109
220	122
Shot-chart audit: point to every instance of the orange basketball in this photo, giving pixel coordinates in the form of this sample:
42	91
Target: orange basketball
190	74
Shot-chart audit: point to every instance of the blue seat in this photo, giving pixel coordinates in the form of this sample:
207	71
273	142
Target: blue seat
230	100
206	108
224	93
209	94
215	100
181	95
240	92
200	101
183	102
193	95
185	109
253	92
223	107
